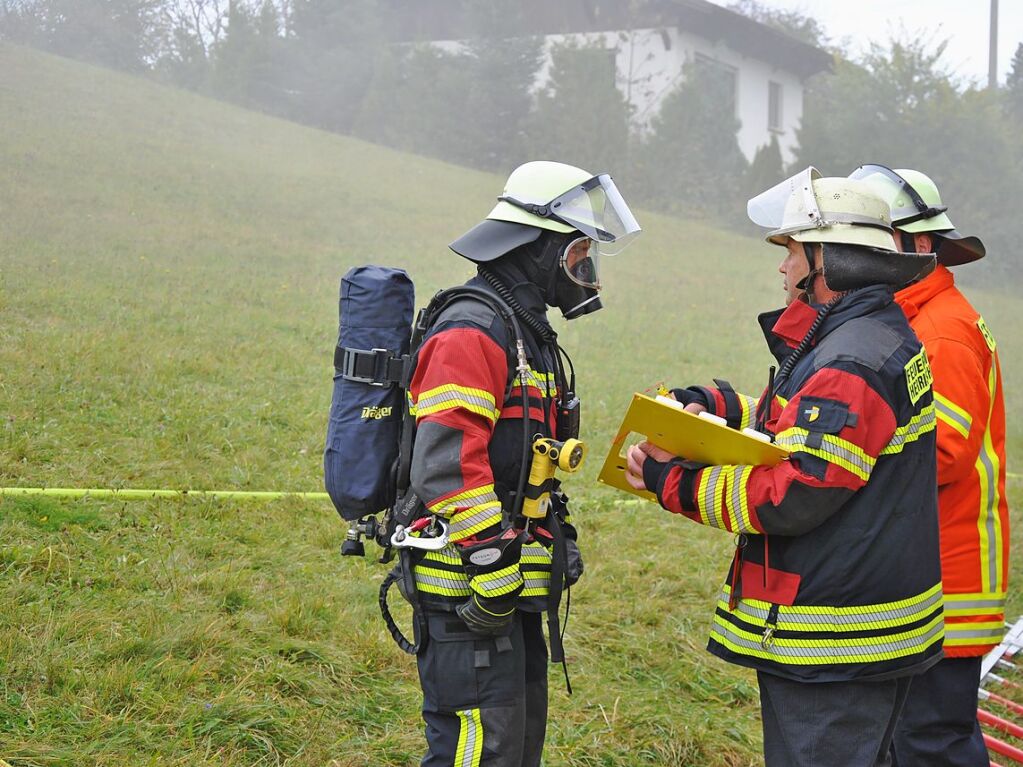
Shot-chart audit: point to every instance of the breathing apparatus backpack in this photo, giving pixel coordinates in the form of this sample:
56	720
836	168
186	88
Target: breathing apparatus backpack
370	431
361	452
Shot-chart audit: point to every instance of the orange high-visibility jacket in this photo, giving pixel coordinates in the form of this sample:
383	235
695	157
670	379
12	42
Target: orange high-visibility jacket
974	514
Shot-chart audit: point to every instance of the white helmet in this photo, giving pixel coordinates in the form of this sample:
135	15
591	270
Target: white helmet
845	214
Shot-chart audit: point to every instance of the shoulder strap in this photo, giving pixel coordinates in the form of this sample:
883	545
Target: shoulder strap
424	322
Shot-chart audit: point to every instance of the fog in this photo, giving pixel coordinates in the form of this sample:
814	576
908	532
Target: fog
693	107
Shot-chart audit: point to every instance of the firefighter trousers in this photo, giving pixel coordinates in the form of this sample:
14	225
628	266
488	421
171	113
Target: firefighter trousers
939	725
837	724
484	699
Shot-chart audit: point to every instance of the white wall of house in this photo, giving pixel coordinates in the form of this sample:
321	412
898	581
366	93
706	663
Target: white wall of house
649	63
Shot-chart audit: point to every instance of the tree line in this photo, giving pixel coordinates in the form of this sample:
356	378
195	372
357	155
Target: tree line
335	64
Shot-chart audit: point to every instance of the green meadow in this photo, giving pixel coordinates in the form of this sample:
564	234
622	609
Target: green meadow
169	268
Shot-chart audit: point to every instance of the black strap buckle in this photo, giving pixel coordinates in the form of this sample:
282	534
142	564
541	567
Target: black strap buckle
376	367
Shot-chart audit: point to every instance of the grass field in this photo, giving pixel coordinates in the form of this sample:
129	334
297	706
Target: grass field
168	288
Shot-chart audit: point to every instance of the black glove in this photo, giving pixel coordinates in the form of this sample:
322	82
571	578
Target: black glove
493	569
480	621
573	557
574	565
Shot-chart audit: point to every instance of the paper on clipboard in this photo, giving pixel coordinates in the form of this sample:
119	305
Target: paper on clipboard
685	434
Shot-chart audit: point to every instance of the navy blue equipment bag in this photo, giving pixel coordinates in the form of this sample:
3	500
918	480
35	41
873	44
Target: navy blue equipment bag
366	410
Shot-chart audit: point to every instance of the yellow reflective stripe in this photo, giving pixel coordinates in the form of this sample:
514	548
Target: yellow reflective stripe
475	519
834	450
981	632
535	553
952	414
484	495
922	423
448	555
832	618
709	499
989	525
499	582
443	582
469	750
828	651
748	407
536	584
965	605
545	382
453	396
736	499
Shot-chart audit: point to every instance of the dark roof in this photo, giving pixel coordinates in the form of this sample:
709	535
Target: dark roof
426	20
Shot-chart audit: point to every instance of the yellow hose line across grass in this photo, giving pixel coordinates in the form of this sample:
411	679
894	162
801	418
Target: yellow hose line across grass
137	494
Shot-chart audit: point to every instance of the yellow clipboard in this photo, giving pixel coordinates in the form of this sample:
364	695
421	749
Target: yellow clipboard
684	434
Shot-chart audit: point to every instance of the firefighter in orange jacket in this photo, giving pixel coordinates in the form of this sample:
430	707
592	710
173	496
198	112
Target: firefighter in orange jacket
939	723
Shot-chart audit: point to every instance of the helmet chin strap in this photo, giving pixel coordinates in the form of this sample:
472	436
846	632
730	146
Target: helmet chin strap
806	284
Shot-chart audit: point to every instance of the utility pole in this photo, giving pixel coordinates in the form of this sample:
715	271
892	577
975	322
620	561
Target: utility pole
992	51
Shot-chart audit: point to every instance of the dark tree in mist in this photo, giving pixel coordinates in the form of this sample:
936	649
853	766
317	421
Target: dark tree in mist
1014	85
581	117
793	22
691	161
122	34
901	107
332	50
767	168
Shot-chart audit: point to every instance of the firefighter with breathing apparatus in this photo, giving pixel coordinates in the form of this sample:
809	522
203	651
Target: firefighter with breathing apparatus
495	411
939	722
834	591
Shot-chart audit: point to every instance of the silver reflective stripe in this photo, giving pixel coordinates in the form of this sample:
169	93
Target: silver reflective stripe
448	555
830	651
469	739
991	512
491	513
832	621
967	602
441	582
455	397
738	485
709	498
827	446
953	631
540	582
485	585
922	423
950	415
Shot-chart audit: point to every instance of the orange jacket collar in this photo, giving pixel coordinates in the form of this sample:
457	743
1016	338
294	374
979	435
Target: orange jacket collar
918	294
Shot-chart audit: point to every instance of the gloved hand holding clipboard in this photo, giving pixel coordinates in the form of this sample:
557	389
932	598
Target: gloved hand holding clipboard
692	437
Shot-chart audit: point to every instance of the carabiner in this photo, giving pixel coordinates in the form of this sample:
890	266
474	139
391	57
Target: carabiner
402	540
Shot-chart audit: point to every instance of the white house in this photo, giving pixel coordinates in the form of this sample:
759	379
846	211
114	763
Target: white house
762	70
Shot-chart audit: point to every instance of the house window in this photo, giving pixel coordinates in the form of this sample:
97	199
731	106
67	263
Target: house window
774	113
721	78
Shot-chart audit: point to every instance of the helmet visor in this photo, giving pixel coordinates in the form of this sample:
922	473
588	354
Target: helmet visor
915	210
597	209
773	210
581	262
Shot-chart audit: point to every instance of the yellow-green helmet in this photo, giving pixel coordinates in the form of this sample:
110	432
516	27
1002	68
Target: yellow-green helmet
917	208
551	196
